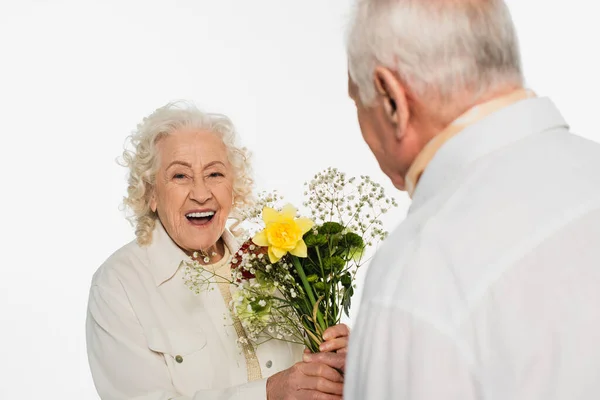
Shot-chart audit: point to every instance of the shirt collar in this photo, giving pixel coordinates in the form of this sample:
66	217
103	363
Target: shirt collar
498	129
469	117
165	257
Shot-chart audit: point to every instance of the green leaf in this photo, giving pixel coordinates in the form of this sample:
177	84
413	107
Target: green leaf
330	228
313	240
353	240
334	264
346	279
347	299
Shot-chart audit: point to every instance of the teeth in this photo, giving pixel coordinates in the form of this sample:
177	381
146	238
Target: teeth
200	214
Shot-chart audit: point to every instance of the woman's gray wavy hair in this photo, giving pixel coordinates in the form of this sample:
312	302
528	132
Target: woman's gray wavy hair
437	47
142	160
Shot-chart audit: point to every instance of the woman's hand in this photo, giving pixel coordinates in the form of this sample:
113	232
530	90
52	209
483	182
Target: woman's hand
306	381
333	349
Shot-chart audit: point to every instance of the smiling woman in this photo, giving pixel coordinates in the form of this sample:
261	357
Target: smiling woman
193	192
201	140
150	337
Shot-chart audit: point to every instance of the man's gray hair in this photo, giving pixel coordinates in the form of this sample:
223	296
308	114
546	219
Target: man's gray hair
437	47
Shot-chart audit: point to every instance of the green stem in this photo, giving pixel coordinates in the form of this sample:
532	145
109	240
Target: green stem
308	289
320	262
324	279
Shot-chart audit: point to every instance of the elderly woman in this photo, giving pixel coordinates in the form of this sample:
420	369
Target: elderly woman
149	336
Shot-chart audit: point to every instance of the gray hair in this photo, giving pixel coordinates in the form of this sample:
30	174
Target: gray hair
142	160
437	47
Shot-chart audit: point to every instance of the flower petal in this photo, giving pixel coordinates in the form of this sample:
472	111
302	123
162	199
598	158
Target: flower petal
272	257
270	215
278	252
260	239
289	211
300	250
304	224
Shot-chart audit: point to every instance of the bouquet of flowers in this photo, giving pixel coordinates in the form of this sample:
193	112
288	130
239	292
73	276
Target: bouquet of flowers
296	275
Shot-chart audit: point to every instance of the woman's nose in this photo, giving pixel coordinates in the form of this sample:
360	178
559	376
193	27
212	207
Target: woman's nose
200	192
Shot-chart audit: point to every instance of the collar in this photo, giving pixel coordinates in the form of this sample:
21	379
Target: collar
469	117
496	130
165	257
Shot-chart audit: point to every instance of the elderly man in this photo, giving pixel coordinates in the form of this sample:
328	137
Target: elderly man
490	289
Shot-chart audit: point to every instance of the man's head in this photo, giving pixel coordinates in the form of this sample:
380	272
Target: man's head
416	65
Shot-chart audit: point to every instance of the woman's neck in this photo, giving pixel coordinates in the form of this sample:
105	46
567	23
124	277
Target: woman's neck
211	255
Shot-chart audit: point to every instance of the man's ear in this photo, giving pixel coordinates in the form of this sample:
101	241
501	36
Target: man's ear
393	94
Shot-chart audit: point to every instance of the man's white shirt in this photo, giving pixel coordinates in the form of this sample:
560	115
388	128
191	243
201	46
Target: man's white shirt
490	289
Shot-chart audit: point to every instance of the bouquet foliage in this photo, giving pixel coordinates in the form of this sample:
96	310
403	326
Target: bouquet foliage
296	275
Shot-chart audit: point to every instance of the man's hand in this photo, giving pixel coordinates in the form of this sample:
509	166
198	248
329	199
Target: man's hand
336	339
306	381
333	349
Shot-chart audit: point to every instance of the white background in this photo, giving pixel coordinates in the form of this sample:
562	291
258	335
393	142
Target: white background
77	76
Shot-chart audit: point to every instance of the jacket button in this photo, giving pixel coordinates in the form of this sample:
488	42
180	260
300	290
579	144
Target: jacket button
179	359
269	364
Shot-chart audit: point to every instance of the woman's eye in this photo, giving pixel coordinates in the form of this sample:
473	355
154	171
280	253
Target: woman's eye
216	175
179	176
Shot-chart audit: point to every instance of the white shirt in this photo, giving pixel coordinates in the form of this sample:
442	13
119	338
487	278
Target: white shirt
490	289
150	337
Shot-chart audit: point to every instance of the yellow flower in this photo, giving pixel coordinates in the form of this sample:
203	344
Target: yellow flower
283	233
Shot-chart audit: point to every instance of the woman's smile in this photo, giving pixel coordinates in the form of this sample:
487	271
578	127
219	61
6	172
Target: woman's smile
200	218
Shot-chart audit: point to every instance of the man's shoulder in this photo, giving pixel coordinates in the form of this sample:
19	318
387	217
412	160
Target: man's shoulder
444	253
